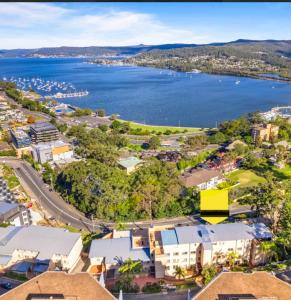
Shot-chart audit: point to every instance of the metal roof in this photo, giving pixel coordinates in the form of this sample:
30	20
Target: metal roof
46	241
116	249
5	207
4	259
220	232
129	162
42	126
169	237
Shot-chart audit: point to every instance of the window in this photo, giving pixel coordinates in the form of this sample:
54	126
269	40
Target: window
168	261
184	260
176	253
230	249
240	248
167	268
193	252
185	253
175	260
168	254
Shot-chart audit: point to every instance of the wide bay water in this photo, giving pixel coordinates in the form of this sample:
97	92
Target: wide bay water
155	96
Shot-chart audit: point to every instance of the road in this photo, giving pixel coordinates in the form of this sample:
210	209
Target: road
54	205
14	283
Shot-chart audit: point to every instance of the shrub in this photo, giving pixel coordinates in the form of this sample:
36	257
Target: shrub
152	288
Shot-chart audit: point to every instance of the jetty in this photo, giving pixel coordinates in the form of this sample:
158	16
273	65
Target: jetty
68	95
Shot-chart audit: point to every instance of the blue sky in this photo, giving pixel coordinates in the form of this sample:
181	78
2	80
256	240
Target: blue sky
33	25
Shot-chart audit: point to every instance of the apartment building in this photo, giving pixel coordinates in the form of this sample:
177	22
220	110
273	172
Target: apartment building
42	132
107	253
162	249
38	248
189	246
52	151
264	133
20	141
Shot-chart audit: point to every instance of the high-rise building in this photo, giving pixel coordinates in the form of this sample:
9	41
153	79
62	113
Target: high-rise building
42	132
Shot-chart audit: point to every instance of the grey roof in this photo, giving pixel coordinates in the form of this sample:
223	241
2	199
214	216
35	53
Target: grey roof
5	207
43	126
221	232
129	162
169	237
47	241
115	249
4	259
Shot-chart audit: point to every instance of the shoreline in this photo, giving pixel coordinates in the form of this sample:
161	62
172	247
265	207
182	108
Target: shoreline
259	77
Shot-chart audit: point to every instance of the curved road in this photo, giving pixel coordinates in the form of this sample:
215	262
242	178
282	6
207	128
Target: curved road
55	206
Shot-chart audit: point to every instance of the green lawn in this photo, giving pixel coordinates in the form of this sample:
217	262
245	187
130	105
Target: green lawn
286	172
163	129
245	178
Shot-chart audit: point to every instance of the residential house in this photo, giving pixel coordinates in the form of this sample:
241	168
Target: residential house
239	285
129	164
203	179
59	285
233	144
169	156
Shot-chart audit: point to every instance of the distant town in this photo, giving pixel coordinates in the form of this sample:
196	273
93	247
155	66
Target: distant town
141	209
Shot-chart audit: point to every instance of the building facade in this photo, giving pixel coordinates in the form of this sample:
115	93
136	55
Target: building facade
52	151
264	133
42	132
39	245
163	249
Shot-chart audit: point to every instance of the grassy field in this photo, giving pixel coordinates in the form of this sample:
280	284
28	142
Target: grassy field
163	129
245	178
286	172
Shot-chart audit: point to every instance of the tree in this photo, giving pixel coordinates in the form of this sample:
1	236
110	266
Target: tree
130	267
269	249
179	272
265	199
103	127
208	273
30	119
231	258
154	142
100	112
217	138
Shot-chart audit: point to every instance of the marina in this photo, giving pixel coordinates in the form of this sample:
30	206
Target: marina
283	111
43	87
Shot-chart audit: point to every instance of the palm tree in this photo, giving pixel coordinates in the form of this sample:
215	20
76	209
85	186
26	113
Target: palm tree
232	256
179	272
130	267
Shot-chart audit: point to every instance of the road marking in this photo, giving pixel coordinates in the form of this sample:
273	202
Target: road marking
53	204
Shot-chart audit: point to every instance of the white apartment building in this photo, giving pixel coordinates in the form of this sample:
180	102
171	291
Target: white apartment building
200	245
39	245
107	253
162	249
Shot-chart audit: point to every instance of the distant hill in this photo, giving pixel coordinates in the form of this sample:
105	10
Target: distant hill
273	46
92	51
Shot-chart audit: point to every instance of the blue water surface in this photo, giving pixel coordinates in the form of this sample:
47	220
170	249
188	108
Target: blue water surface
155	96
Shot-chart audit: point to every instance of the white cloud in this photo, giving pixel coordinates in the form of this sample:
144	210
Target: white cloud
46	25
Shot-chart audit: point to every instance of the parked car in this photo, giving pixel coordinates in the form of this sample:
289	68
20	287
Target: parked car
6	285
